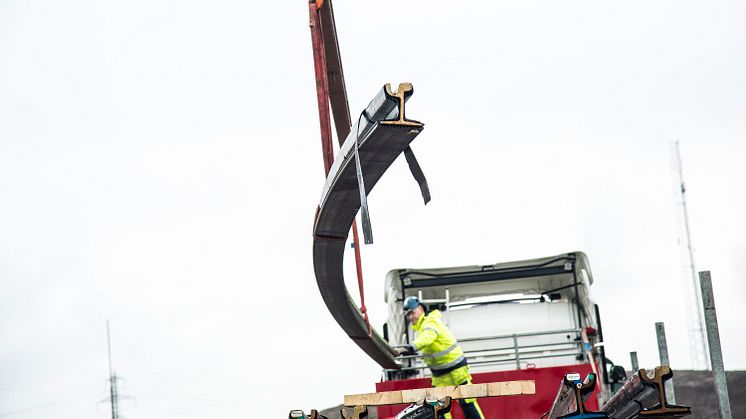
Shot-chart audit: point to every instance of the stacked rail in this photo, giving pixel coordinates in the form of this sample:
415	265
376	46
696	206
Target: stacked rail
642	396
571	397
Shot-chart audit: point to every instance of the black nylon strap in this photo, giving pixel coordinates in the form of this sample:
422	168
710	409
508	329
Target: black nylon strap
416	170
364	215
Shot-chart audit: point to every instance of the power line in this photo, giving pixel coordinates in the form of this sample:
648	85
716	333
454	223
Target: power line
45	405
231	404
173	412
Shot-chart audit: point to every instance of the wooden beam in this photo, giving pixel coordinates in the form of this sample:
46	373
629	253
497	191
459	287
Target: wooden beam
503	388
456	392
374	399
511	388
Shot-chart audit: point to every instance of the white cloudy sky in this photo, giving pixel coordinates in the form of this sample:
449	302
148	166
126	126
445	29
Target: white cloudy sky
160	167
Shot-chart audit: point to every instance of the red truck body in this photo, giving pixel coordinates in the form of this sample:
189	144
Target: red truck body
510	407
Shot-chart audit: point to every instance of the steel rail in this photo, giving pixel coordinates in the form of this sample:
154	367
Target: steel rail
329	71
337	96
571	397
381	135
644	395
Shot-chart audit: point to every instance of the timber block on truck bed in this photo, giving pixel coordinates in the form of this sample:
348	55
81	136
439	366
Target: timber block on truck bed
496	389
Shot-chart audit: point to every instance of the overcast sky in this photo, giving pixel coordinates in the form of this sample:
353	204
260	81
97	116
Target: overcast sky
160	165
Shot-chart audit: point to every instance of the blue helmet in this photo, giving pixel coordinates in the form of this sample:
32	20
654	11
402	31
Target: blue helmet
410	303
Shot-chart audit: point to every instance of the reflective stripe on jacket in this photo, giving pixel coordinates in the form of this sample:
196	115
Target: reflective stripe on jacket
440	350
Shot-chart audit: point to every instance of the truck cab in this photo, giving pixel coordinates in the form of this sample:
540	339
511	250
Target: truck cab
524	320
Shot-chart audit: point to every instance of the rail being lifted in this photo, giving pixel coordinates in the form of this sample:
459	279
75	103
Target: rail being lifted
379	137
367	150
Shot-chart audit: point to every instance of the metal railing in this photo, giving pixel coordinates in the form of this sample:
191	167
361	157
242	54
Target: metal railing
513	353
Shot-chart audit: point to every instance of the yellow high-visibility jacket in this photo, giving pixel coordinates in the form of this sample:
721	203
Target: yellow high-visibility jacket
441	352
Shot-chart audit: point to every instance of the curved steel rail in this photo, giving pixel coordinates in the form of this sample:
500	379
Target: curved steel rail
381	135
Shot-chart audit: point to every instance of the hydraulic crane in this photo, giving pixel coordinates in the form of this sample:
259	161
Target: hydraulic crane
557	285
368	148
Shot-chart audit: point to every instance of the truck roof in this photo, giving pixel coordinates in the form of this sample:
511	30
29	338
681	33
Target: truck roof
541	276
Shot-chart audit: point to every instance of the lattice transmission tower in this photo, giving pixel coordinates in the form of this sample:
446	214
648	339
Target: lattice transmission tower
692	294
113	394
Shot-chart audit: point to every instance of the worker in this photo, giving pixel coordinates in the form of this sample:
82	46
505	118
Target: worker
440	351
